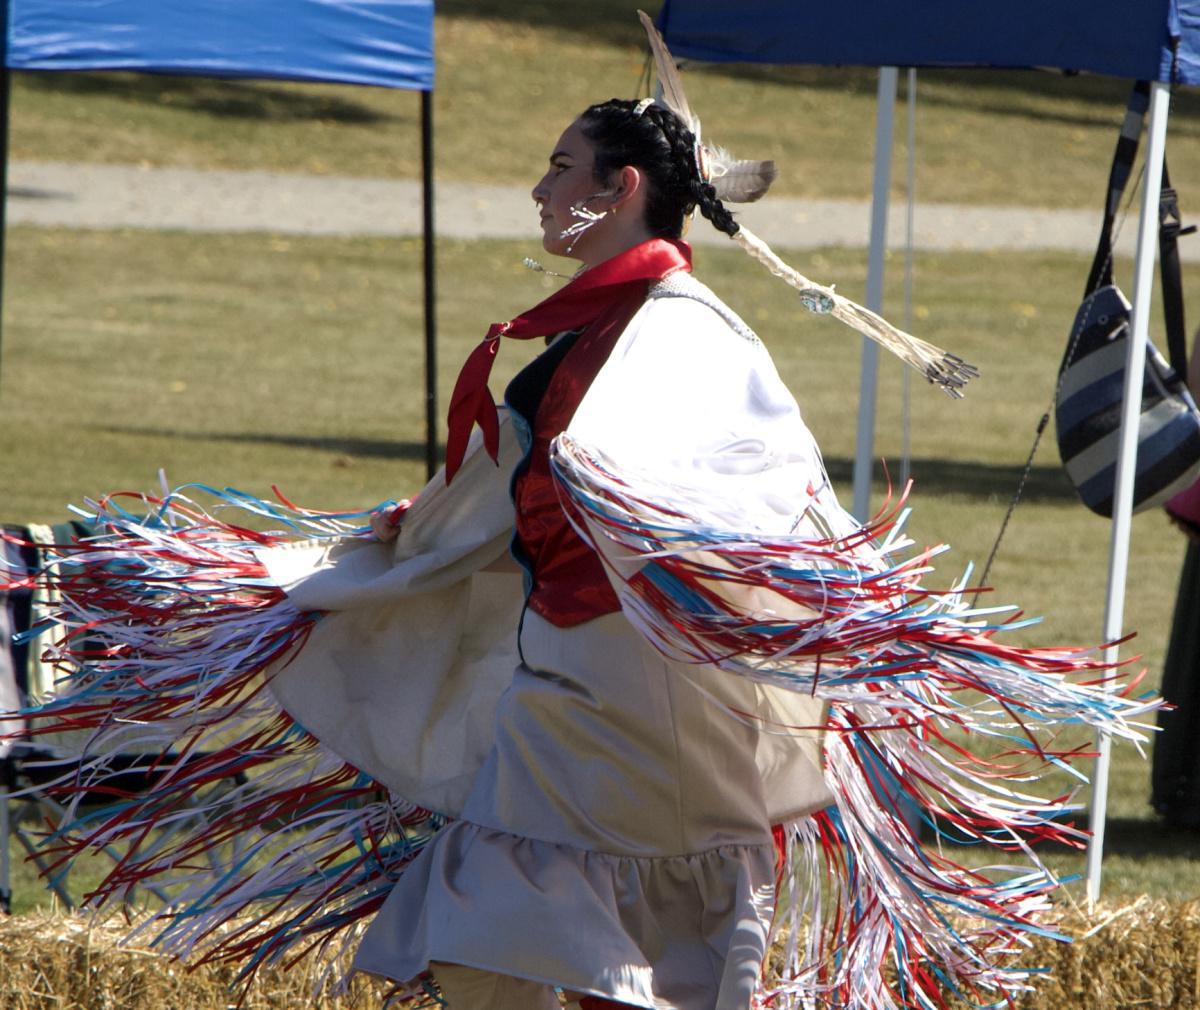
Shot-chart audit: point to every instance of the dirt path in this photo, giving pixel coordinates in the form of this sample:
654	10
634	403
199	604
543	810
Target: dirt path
50	194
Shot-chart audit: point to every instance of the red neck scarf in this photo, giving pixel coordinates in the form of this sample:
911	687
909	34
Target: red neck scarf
569	308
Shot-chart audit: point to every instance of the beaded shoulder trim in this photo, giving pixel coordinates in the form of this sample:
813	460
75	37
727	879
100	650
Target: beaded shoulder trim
684	285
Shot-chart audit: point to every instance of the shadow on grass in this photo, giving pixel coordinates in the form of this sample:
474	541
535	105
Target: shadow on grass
222	98
1150	839
979	480
1035	94
367	448
33	193
942	476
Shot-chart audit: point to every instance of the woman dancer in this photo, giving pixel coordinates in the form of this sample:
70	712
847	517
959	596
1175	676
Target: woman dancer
620	824
710	677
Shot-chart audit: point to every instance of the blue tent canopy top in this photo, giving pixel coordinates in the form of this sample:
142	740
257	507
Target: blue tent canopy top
1124	38
381	42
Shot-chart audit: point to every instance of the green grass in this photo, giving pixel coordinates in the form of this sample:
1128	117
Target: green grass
231	360
512	73
253	360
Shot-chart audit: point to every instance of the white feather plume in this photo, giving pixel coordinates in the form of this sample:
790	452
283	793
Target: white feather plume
737	180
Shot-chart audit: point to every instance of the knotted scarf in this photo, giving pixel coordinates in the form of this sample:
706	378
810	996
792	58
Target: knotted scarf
570	308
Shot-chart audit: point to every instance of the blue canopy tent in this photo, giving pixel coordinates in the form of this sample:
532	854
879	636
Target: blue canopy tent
1101	36
1154	40
386	43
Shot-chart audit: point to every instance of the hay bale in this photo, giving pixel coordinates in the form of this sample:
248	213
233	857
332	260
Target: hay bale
65	962
1143	954
1146	954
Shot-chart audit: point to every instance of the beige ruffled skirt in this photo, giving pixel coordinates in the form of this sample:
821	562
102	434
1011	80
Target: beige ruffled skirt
616	840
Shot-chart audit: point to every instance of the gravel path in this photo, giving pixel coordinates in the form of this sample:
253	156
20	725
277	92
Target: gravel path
54	194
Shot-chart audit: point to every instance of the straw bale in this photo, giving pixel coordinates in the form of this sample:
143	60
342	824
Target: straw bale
1145	954
66	962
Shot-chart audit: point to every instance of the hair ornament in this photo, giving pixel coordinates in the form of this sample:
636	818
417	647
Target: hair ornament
740	181
642	106
703	165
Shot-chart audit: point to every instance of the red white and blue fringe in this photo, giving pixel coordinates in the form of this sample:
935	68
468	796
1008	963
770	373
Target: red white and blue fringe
265	844
167	620
875	920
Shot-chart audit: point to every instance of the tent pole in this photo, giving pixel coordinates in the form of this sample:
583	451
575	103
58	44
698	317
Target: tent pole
431	412
1135	363
910	191
865	443
5	108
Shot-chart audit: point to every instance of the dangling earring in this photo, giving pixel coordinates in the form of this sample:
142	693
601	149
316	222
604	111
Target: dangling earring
585	220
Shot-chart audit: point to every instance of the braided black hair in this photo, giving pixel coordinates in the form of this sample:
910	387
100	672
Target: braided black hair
657	142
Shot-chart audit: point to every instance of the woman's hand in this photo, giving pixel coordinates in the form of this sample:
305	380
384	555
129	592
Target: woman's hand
385	523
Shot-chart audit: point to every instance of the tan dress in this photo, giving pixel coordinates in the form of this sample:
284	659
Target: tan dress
612	829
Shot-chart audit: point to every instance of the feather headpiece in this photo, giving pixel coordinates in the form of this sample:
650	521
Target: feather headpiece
739	181
735	180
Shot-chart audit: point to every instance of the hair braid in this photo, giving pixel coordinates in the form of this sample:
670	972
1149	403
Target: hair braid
683	151
713	209
661	145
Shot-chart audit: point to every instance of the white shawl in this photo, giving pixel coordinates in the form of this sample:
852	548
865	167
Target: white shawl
401	677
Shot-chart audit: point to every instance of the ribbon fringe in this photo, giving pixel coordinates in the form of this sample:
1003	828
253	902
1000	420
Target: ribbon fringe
267	845
875	920
263	843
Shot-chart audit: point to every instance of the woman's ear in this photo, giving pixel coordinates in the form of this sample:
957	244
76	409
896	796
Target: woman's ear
629	186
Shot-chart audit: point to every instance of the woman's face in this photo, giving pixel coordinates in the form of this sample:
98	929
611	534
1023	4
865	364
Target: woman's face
566	193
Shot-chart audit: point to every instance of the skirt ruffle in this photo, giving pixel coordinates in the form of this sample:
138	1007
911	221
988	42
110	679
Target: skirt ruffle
648	931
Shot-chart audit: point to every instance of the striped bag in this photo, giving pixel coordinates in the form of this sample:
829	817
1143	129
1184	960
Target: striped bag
1092	375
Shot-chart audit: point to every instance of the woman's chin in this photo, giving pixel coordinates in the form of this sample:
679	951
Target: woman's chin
558	246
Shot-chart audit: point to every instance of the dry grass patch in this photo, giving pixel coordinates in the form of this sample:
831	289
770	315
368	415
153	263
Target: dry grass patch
56	962
1143	954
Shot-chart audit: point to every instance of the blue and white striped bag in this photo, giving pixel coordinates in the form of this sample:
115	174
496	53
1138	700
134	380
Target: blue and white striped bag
1088	412
1091	379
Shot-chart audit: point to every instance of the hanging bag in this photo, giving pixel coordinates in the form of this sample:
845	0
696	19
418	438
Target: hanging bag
1087	403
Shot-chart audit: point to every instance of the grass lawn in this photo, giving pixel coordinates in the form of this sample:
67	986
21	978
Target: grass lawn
253	360
512	73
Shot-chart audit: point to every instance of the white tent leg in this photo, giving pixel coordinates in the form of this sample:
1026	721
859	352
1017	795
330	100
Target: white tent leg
1135	362
910	187
864	449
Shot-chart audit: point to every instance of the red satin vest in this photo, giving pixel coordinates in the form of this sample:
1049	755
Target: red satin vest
569	584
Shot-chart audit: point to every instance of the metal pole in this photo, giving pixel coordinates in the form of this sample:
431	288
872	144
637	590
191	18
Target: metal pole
431	411
1135	363
911	193
5	103
865	443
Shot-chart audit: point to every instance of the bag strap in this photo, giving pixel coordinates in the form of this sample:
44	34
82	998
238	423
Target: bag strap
1169	228
1118	176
